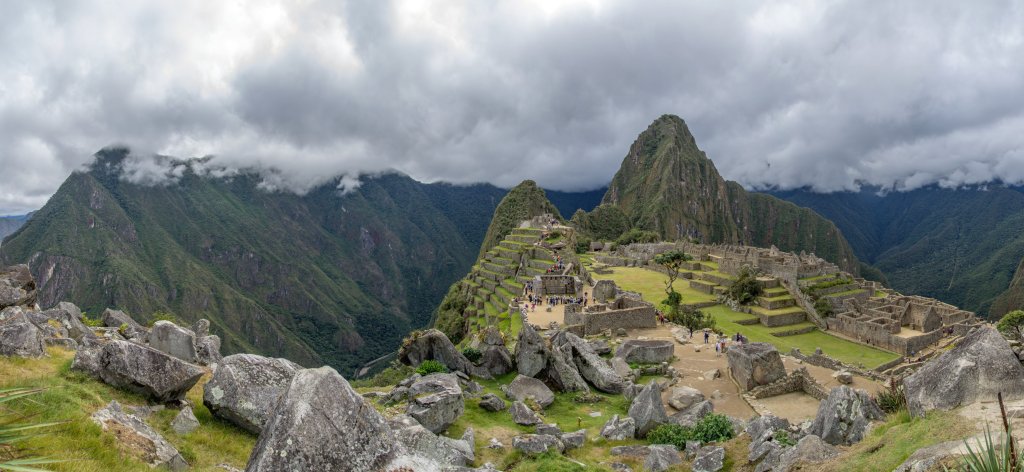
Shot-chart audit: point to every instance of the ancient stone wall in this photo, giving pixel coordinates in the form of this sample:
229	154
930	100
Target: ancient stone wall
558	285
797	381
630	318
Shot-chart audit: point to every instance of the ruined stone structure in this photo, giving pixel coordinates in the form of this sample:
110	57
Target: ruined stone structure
797	381
568	285
902	324
624	312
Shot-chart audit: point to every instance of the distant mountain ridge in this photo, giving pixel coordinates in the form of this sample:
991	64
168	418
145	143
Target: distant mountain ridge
10	224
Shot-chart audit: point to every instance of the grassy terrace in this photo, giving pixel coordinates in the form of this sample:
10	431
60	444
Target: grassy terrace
651	285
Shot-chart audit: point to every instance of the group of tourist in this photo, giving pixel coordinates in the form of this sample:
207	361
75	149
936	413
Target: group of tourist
721	342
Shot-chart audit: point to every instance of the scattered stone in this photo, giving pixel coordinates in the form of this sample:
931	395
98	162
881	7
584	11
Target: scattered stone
118	319
709	459
712	374
144	411
549	429
522	414
844	416
433	344
172	339
492	402
18	336
692	448
245	388
809	450
661	457
208	349
621	332
680	335
618	429
630	451
716	395
17	287
696	348
142	370
757	427
600	346
693	414
683	397
69	317
436	401
645	352
981	365
416	439
843	377
138	439
495	444
647	410
575	439
620	367
932	457
755	364
534	444
396	395
562	372
522	388
185	422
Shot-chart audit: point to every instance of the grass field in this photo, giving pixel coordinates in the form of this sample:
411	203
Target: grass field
651	285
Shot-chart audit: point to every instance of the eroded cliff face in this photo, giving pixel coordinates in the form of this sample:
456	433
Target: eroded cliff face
1012	298
668	185
319	278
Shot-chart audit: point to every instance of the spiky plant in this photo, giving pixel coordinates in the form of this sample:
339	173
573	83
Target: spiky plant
15	427
987	456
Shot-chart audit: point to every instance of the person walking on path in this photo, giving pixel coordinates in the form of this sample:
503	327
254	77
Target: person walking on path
707	336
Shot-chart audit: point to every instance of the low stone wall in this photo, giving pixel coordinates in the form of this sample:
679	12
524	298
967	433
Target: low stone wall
701	305
702	286
783	320
823	360
794	332
630	318
775	304
797	381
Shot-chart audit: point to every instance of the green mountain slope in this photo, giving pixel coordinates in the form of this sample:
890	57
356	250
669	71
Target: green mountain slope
10	224
320	278
668	185
960	246
524	201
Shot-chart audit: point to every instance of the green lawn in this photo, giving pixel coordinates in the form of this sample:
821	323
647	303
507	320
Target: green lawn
651	285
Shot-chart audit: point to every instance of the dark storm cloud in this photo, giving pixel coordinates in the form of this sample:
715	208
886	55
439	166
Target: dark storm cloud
779	94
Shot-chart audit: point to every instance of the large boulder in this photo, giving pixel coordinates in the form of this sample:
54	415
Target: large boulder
562	373
709	459
208	349
647	410
138	439
245	387
645	351
755	364
809	450
981	365
492	403
591	367
179	342
844	416
433	344
523	415
417	439
436	401
17	287
617	429
534	444
531	352
661	457
683	397
18	335
143	370
604	290
494	356
118	319
523	387
693	414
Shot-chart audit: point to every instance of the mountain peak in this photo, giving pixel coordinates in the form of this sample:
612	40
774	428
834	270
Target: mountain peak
524	201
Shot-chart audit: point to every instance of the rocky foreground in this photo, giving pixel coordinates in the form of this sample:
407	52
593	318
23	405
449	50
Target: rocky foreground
312	419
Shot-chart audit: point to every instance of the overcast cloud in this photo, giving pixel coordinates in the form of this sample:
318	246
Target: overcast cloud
786	94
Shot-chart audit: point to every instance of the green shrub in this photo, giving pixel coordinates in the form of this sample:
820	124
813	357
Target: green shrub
472	354
582	244
892	399
1011	323
123	329
393	374
713	428
91	322
746	288
430	366
824	308
673	434
637	236
782	437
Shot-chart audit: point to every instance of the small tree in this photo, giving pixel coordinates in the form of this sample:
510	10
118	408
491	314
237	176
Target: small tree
1012	324
672	261
693	319
746	288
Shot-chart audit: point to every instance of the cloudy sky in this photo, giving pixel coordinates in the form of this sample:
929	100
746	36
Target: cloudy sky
778	93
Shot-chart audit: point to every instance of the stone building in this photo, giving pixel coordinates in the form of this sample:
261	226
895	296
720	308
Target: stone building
622	312
902	324
559	285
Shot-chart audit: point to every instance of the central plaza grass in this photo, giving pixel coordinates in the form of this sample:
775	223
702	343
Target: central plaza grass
651	286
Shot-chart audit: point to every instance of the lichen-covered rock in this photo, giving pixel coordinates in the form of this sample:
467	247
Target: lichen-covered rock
693	414
755	364
591	366
531	352
550	429
521	388
617	429
69	319
172	339
418	440
18	335
492	402
138	439
645	351
208	349
709	459
981	365
201	328
621	367
17	287
117	319
932	457
436	401
534	444
809	450
433	344
144	370
562	373
575	439
683	397
647	411
245	387
844	416
661	457
522	414
184	422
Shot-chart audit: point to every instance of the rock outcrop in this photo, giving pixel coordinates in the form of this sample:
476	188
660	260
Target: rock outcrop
184	422
17	287
245	388
981	365
531	352
433	344
494	356
18	335
709	459
661	457
138	439
436	401
491	402
140	369
417	439
645	351
683	397
617	429
124	323
755	364
592	367
844	416
809	450
534	444
523	415
523	388
172	339
647	411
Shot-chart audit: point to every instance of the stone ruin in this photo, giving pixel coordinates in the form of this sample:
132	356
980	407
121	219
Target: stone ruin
559	285
901	324
612	309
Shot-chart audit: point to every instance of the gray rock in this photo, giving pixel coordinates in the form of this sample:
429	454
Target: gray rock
604	290
843	377
136	436
551	429
320	423
18	336
617	429
87	360
755	364
522	388
692	448
522	414
981	365
201	328
172	339
418	440
645	351
621	332
492	402
245	387
17	287
144	411
766	452
647	410
117	319
661	457
630	451
809	450
208	349
534	444
433	344
712	374
144	370
621	367
693	414
600	346
844	416
531	352
575	439
396	395
69	317
185	422
762	429
496	360
931	457
591	366
709	459
436	401
684	397
562	373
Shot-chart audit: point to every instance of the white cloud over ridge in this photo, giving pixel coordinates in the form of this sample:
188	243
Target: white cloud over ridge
779	94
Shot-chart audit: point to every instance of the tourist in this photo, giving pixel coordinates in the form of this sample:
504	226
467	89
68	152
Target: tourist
707	335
